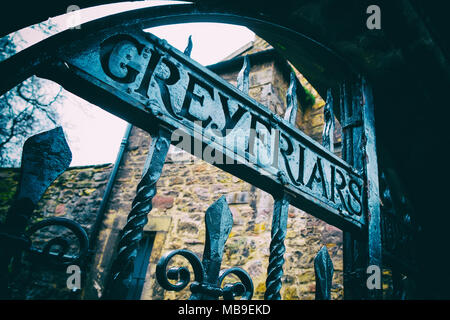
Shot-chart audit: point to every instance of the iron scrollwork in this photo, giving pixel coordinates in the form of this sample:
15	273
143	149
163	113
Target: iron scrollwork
56	253
199	287
207	284
62	257
44	157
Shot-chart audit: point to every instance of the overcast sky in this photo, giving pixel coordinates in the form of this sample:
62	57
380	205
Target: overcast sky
95	135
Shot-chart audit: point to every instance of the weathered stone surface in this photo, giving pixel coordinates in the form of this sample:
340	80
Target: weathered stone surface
175	181
162	202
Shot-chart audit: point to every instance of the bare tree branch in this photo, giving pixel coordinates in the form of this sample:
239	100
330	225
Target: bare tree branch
28	108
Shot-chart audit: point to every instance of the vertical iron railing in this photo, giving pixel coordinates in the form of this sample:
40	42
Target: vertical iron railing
123	265
359	150
121	272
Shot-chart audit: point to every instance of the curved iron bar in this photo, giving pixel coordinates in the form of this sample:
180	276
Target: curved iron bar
33	59
199	285
243	288
182	275
61	259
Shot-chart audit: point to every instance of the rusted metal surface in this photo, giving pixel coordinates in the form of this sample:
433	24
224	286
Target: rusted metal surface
208	277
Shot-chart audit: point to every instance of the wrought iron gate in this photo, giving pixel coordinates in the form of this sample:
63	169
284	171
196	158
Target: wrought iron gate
152	85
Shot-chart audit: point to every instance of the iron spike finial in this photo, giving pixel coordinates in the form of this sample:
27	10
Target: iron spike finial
44	157
323	268
218	221
208	278
188	49
291	100
243	76
38	172
328	129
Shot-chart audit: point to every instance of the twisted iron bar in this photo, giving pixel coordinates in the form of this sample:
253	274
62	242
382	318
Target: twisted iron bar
132	233
277	249
328	128
280	212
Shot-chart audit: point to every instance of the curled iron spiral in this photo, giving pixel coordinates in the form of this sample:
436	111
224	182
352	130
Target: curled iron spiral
243	288
132	233
62	258
199	286
180	274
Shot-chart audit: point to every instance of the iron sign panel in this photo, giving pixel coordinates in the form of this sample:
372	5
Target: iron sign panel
213	120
